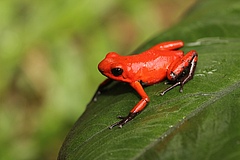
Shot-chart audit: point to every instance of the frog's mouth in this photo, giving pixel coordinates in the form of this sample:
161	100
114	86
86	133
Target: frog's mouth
101	71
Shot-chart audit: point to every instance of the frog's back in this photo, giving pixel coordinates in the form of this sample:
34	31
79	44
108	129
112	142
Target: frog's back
151	66
152	55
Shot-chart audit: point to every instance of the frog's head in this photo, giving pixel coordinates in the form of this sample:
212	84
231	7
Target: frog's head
112	67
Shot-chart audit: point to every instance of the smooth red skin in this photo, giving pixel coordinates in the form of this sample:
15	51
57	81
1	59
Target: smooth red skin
149	67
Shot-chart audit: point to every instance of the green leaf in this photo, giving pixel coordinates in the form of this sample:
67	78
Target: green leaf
200	123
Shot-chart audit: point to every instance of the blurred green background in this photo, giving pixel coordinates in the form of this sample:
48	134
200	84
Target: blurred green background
49	51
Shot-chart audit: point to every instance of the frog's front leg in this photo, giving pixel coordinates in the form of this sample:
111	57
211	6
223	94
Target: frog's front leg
181	71
100	89
138	107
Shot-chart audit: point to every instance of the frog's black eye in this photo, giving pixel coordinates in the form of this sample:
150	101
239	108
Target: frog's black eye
117	71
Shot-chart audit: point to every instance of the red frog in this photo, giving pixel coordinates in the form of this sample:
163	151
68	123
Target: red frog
162	61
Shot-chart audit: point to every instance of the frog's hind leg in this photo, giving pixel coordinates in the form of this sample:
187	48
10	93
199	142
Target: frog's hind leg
170	45
182	71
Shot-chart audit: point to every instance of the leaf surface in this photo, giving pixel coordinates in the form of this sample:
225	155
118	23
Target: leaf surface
200	123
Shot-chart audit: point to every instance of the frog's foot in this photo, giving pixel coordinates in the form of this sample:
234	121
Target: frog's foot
123	120
171	87
183	71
